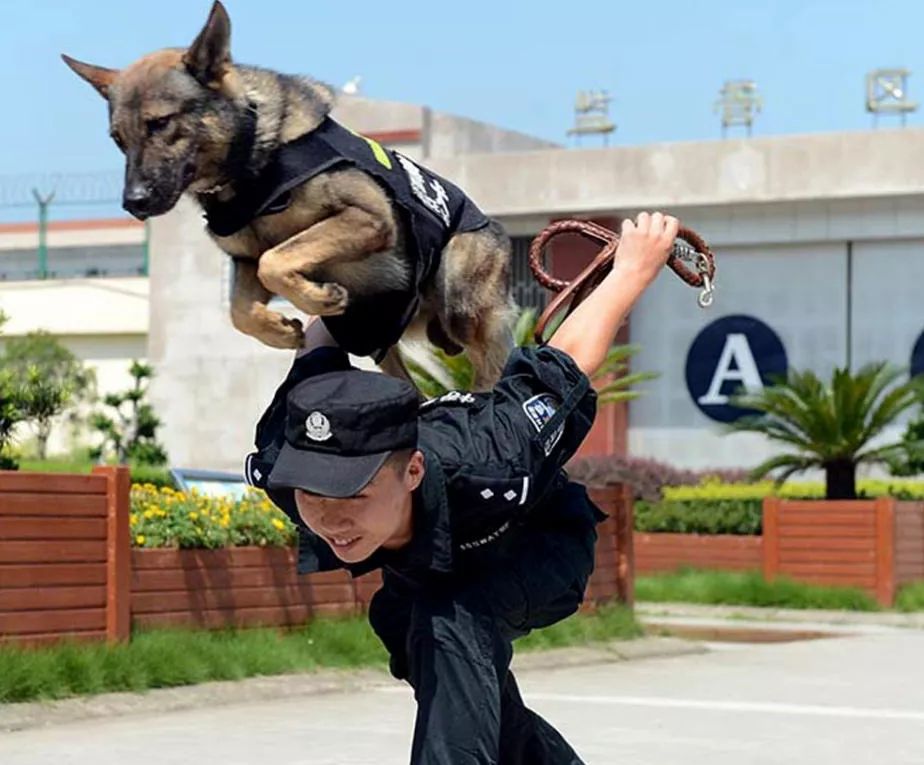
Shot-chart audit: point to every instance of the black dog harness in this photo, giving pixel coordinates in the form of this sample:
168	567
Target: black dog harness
431	209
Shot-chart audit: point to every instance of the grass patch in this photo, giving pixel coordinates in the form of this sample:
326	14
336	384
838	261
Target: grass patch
910	598
166	658
53	465
605	624
748	589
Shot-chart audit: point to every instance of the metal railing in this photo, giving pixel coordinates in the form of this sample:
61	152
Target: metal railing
43	197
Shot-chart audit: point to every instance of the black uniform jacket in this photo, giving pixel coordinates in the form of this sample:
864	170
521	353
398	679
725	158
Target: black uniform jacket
493	466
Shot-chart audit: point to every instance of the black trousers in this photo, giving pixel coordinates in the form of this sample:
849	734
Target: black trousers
453	644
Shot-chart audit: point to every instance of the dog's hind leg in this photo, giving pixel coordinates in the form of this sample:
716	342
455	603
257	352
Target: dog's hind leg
474	302
287	268
250	315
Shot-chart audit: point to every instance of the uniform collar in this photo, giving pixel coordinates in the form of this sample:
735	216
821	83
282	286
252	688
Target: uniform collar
431	545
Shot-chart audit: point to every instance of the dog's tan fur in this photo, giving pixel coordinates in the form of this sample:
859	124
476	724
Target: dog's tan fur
339	236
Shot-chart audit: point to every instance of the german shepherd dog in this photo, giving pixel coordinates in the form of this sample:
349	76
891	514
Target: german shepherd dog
191	121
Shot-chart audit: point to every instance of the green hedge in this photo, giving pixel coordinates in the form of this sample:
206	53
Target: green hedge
721	516
141	474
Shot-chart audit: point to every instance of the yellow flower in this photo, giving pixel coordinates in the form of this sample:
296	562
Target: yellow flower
133	518
193	516
278	524
140	539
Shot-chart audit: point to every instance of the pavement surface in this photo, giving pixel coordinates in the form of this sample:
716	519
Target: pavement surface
849	698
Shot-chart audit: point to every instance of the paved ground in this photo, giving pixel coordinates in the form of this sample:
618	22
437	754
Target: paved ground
838	700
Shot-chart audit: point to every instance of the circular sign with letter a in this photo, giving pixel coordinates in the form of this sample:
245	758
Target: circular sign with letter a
917	357
734	354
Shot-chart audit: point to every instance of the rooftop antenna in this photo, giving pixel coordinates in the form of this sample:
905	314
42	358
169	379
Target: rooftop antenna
738	101
592	115
887	93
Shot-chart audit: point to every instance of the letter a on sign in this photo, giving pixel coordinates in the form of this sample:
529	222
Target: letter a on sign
736	364
730	354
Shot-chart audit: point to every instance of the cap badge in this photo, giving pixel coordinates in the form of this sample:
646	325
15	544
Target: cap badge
317	427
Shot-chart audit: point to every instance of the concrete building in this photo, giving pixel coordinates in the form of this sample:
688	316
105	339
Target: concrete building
819	238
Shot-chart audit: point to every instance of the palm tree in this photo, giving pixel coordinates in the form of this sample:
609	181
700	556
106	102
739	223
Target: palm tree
830	426
439	372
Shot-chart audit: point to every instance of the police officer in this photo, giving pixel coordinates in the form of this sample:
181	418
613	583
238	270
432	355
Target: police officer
463	505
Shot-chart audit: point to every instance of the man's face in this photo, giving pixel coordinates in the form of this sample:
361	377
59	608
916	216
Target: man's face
379	516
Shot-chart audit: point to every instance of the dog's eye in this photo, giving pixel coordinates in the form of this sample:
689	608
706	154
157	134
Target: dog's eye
156	125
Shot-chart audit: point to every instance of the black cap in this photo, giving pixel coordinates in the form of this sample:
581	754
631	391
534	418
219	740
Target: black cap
340	429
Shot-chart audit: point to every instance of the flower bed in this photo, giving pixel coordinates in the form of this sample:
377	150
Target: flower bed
163	517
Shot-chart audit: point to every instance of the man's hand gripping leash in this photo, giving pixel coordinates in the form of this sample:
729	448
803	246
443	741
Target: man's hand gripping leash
690	258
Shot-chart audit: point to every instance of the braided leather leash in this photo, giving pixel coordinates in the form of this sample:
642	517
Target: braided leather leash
690	258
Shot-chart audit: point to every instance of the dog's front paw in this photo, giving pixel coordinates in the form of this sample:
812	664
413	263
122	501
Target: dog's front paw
278	331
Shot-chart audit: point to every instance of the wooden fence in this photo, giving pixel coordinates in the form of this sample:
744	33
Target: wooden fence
661	552
67	568
875	545
238	586
909	542
64	546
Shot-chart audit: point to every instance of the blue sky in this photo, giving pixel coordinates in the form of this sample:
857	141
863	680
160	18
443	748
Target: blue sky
517	64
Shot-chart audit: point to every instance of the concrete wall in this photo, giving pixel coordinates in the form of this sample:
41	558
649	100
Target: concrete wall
830	166
437	134
452	136
212	381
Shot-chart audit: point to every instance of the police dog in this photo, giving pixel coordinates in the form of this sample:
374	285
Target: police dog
191	121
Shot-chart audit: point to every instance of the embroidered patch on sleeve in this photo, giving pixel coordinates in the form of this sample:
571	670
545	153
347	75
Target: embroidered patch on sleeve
453	397
540	409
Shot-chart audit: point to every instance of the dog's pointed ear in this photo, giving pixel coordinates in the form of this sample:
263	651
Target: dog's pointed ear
209	57
99	77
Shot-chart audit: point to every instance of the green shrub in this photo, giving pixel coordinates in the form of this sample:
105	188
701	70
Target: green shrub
154	476
910	597
716	490
141	474
733	516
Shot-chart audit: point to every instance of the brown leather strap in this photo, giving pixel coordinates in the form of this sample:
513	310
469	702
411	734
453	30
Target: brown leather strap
701	274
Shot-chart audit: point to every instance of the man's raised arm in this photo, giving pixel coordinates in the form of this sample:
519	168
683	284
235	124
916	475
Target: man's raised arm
588	333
